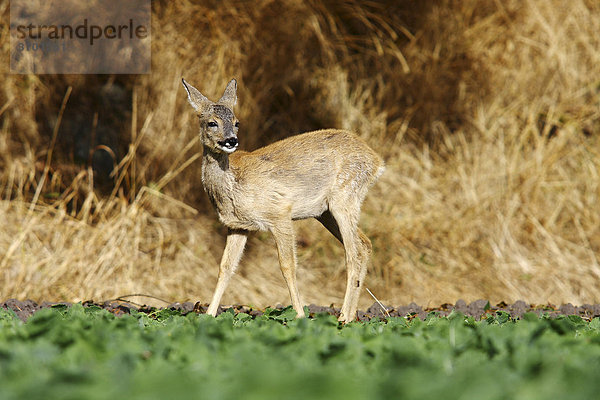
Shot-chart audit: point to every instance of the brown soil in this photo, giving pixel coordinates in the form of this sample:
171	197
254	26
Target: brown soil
477	309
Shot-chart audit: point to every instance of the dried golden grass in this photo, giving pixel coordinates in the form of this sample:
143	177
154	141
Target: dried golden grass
487	114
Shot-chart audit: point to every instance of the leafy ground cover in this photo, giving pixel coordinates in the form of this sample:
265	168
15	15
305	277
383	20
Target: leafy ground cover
88	352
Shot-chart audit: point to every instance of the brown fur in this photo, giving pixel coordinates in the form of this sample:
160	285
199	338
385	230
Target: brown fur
322	174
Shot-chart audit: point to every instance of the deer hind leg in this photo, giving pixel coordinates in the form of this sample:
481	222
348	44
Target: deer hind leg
364	255
234	248
358	249
284	236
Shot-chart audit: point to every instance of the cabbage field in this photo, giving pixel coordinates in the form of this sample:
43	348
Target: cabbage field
82	352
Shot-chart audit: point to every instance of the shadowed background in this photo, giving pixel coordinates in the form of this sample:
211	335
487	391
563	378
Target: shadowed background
487	113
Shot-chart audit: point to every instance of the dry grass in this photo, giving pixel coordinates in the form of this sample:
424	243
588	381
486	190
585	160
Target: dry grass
487	114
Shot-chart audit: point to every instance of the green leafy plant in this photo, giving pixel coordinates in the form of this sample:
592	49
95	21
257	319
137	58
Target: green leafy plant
86	352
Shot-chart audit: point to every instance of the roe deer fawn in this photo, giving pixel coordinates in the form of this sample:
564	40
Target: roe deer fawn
322	174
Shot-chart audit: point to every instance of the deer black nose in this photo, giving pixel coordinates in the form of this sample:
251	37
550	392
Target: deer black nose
231	142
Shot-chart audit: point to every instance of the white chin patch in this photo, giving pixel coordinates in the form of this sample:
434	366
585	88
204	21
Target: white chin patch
228	149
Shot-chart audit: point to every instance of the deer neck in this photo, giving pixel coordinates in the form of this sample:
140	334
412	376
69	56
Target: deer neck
217	178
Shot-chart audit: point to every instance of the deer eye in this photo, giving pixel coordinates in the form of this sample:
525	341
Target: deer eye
237	124
212	124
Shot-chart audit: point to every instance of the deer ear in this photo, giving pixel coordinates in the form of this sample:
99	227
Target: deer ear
229	97
196	99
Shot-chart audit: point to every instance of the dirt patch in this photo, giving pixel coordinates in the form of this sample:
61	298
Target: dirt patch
477	309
